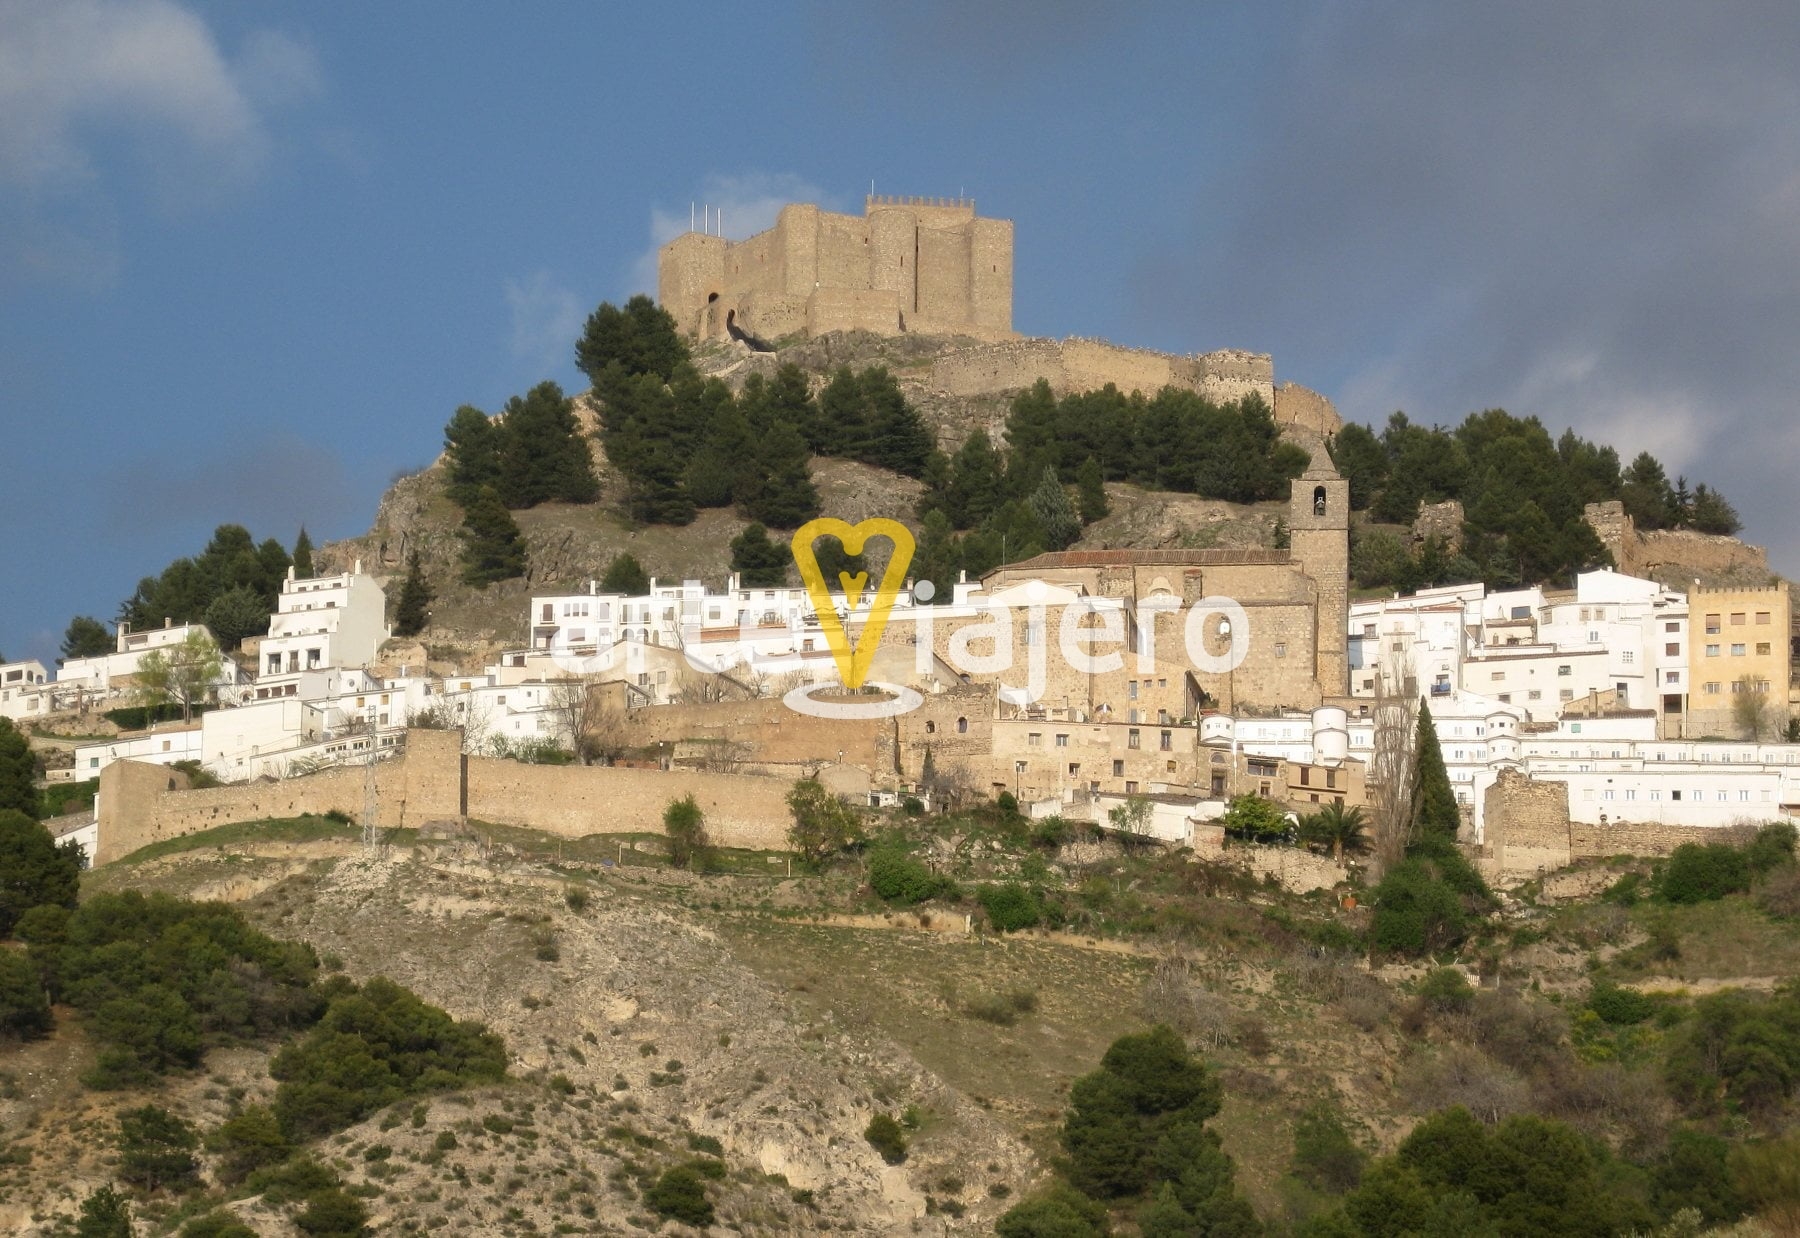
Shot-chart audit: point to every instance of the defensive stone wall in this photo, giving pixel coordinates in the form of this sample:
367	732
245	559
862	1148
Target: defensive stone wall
767	731
1301	406
1077	365
1526	824
141	804
1674	556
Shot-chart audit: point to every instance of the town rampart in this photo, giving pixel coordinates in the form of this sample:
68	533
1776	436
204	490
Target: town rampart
140	804
1673	556
1077	365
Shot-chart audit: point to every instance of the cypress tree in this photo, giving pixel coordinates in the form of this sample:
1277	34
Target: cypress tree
625	575
1091	492
493	547
1434	810
1055	514
412	611
303	551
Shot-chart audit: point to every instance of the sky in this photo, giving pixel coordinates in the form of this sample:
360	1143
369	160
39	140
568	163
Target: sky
253	256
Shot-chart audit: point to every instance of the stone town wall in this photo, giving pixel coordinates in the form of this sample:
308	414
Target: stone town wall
1076	365
141	804
1674	556
1632	838
767	731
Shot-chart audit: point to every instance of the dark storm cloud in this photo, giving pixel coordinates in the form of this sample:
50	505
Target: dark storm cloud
1588	212
270	486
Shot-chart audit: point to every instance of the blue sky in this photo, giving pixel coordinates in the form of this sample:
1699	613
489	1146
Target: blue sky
252	256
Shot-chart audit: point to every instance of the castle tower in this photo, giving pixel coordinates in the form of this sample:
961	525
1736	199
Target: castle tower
1319	538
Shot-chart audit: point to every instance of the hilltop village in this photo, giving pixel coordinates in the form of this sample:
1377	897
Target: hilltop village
1226	820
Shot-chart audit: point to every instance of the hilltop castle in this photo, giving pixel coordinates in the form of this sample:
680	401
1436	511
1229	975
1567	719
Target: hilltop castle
927	265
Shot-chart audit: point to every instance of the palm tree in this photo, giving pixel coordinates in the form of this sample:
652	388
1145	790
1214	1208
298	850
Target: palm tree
1344	828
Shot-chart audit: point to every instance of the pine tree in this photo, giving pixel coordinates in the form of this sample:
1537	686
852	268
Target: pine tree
472	453
235	614
1712	514
625	576
303	553
1434	810
412	611
34	871
542	454
86	637
842	427
757	560
783	495
1091	492
975	480
1055	514
104	1214
938	556
1031	423
18	771
642	338
493	547
725	469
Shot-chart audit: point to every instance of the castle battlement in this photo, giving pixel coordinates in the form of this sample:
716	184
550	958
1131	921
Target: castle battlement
906	264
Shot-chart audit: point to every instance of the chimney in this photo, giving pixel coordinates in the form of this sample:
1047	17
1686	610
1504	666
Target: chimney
168	622
290	574
357	570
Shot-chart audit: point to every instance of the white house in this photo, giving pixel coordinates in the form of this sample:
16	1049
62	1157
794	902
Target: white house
163	745
108	674
22	689
324	621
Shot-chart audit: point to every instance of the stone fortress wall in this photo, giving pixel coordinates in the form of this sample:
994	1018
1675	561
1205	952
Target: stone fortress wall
434	780
926	265
1675	556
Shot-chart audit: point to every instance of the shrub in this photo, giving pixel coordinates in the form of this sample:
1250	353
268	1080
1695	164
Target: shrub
886	1137
680	1195
333	1213
24	1011
290	1181
685	826
1254	819
1425	903
1773	847
913	806
1010	906
1325	1157
218	1223
901	879
1446	991
1703	872
247	1141
1051	833
1058	1212
1617	1006
576	898
1007	803
375	1046
706	1144
1003	1009
104	1214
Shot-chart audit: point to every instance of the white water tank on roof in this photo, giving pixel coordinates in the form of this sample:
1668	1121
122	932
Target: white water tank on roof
1330	735
1217	727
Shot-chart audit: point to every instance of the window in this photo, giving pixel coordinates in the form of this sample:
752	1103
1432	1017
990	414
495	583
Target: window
1672	627
1074	769
1132	738
1062	741
1167	740
1368	631
1743	795
1118	769
1565	671
1018	767
1671	676
1567	694
1533	695
1505	698
1737	686
1497	676
1034	740
1672	650
1305	776
1712	625
1762	617
931	728
1281	649
1675	795
1131	788
1737	619
1737	651
1628	656
1762	648
1331	779
1131	690
962	725
1712	651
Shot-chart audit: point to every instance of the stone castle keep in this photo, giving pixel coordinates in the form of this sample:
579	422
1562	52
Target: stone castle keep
931	266
906	264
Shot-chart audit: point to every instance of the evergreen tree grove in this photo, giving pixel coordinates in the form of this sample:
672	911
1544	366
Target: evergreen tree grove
759	561
625	575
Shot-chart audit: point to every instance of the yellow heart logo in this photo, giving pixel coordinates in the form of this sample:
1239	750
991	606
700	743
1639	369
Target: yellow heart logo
852	660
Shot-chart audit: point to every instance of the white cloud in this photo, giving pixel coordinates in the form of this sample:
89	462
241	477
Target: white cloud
747	204
77	74
546	319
